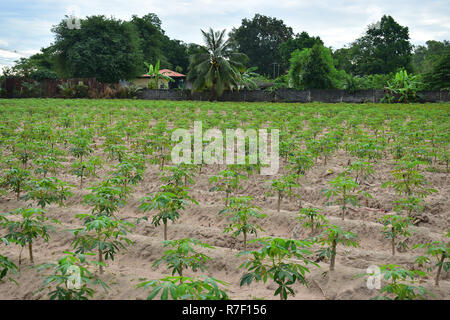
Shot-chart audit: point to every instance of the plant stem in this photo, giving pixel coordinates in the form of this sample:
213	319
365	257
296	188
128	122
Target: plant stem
100	259
333	254
279	201
165	230
441	262
30	251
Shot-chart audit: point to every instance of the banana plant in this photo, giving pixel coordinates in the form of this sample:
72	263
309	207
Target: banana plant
154	72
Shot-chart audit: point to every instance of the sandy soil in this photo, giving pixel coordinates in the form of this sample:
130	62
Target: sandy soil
204	223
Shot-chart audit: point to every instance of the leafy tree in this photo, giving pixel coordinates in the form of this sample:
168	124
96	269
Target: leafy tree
151	36
106	49
217	67
425	56
239	211
184	255
39	66
317	70
71	278
176	53
283	261
185	288
299	42
332	236
383	49
313	69
343	58
438	78
260	39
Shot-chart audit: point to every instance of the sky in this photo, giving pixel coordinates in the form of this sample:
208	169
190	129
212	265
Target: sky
25	26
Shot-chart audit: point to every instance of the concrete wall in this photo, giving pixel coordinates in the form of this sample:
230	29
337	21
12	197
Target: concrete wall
288	95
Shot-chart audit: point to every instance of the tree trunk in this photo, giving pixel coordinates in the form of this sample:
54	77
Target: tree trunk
436	282
333	255
30	251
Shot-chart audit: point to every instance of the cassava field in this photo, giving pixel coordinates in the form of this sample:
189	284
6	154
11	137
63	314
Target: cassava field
88	185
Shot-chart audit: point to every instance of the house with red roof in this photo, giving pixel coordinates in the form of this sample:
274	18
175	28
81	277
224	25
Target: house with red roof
178	80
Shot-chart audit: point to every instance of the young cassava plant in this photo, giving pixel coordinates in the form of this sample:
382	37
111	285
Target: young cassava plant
240	211
275	261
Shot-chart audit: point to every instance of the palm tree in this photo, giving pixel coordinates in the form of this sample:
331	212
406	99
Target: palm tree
216	67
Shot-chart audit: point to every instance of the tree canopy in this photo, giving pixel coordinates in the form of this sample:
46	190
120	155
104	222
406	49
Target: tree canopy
217	66
107	49
260	38
383	49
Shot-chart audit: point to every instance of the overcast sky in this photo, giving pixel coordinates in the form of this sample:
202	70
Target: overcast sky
25	25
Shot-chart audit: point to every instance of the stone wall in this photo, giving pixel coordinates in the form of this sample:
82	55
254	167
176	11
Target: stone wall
288	95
